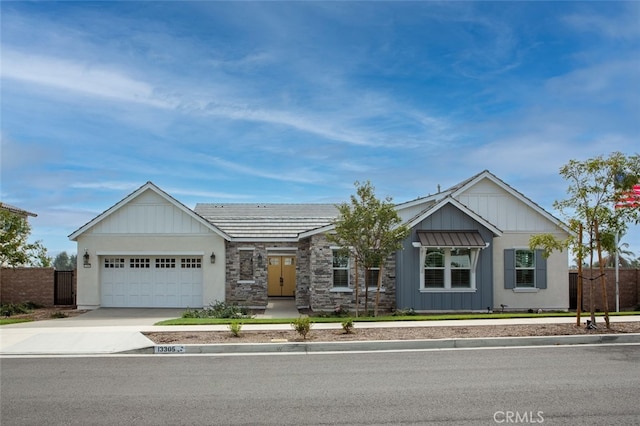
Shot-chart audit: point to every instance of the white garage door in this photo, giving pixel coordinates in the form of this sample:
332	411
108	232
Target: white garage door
151	282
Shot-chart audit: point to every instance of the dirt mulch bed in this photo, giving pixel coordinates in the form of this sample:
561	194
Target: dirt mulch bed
42	314
413	333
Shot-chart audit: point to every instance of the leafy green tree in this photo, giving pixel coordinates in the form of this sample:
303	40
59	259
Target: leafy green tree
369	230
595	187
15	250
64	262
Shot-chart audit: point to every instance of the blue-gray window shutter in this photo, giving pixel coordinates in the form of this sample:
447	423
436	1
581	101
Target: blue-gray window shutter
510	268
541	270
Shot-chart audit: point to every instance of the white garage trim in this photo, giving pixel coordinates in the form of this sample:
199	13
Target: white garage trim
150	253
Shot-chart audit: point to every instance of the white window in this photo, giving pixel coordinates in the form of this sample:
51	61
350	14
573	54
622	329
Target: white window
340	268
372	277
448	269
525	269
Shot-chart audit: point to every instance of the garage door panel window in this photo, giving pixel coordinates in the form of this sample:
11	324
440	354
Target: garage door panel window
191	263
162	263
113	263
137	263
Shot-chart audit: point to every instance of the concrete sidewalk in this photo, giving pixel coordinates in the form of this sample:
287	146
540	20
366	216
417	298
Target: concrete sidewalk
114	331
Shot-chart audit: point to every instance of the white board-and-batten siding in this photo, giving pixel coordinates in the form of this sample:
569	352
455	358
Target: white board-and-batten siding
502	209
149	214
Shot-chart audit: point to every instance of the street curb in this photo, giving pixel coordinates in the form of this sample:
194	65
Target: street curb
391	345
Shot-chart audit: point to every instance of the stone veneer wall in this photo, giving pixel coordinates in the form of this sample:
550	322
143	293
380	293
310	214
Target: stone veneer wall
322	295
314	277
249	293
253	293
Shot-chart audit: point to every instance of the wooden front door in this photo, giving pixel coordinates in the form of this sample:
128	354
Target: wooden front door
281	276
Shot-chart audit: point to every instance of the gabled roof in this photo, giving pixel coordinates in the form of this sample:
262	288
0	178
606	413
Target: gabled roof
16	210
267	222
461	187
432	208
147	186
486	174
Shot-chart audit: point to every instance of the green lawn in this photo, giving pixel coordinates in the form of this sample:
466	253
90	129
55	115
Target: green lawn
438	317
5	321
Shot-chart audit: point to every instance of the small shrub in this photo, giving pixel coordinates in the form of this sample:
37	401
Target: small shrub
404	312
217	310
59	314
347	326
302	326
17	308
235	328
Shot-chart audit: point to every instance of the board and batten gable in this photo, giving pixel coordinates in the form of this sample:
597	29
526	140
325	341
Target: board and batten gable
519	218
148	223
408	292
149	213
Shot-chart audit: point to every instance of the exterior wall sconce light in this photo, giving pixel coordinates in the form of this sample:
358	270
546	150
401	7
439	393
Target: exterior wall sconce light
259	260
213	257
86	258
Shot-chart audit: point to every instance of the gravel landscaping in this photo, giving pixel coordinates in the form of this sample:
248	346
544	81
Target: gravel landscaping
430	332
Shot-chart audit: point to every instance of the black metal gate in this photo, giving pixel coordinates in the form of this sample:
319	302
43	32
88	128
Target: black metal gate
63	288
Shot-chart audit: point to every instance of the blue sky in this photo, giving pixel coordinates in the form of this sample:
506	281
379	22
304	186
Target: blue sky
294	101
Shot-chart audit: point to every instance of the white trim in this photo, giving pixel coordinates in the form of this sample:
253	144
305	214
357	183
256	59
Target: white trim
149	253
341	290
473	258
526	290
263	240
281	249
246	281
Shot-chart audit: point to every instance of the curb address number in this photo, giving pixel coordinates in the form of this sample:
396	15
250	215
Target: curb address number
169	349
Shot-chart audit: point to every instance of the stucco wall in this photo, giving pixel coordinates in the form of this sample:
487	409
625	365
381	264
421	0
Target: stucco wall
554	297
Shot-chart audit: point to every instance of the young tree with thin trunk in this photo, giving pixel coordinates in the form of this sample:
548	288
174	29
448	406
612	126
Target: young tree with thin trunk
370	230
596	187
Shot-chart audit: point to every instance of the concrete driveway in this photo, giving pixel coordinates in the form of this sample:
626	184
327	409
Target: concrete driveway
104	330
108	317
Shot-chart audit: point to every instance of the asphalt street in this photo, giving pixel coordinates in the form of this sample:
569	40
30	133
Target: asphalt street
582	385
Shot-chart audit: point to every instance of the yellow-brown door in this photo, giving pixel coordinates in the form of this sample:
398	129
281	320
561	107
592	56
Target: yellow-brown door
281	276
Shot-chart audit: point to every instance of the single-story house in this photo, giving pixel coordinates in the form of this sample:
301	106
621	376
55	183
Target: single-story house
467	251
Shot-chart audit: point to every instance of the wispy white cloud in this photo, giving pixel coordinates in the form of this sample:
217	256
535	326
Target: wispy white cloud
617	26
299	175
84	79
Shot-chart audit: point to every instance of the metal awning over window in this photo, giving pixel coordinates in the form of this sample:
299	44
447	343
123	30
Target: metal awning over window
466	239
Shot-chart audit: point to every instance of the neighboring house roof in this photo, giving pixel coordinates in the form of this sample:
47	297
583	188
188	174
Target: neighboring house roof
16	210
260	222
147	186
